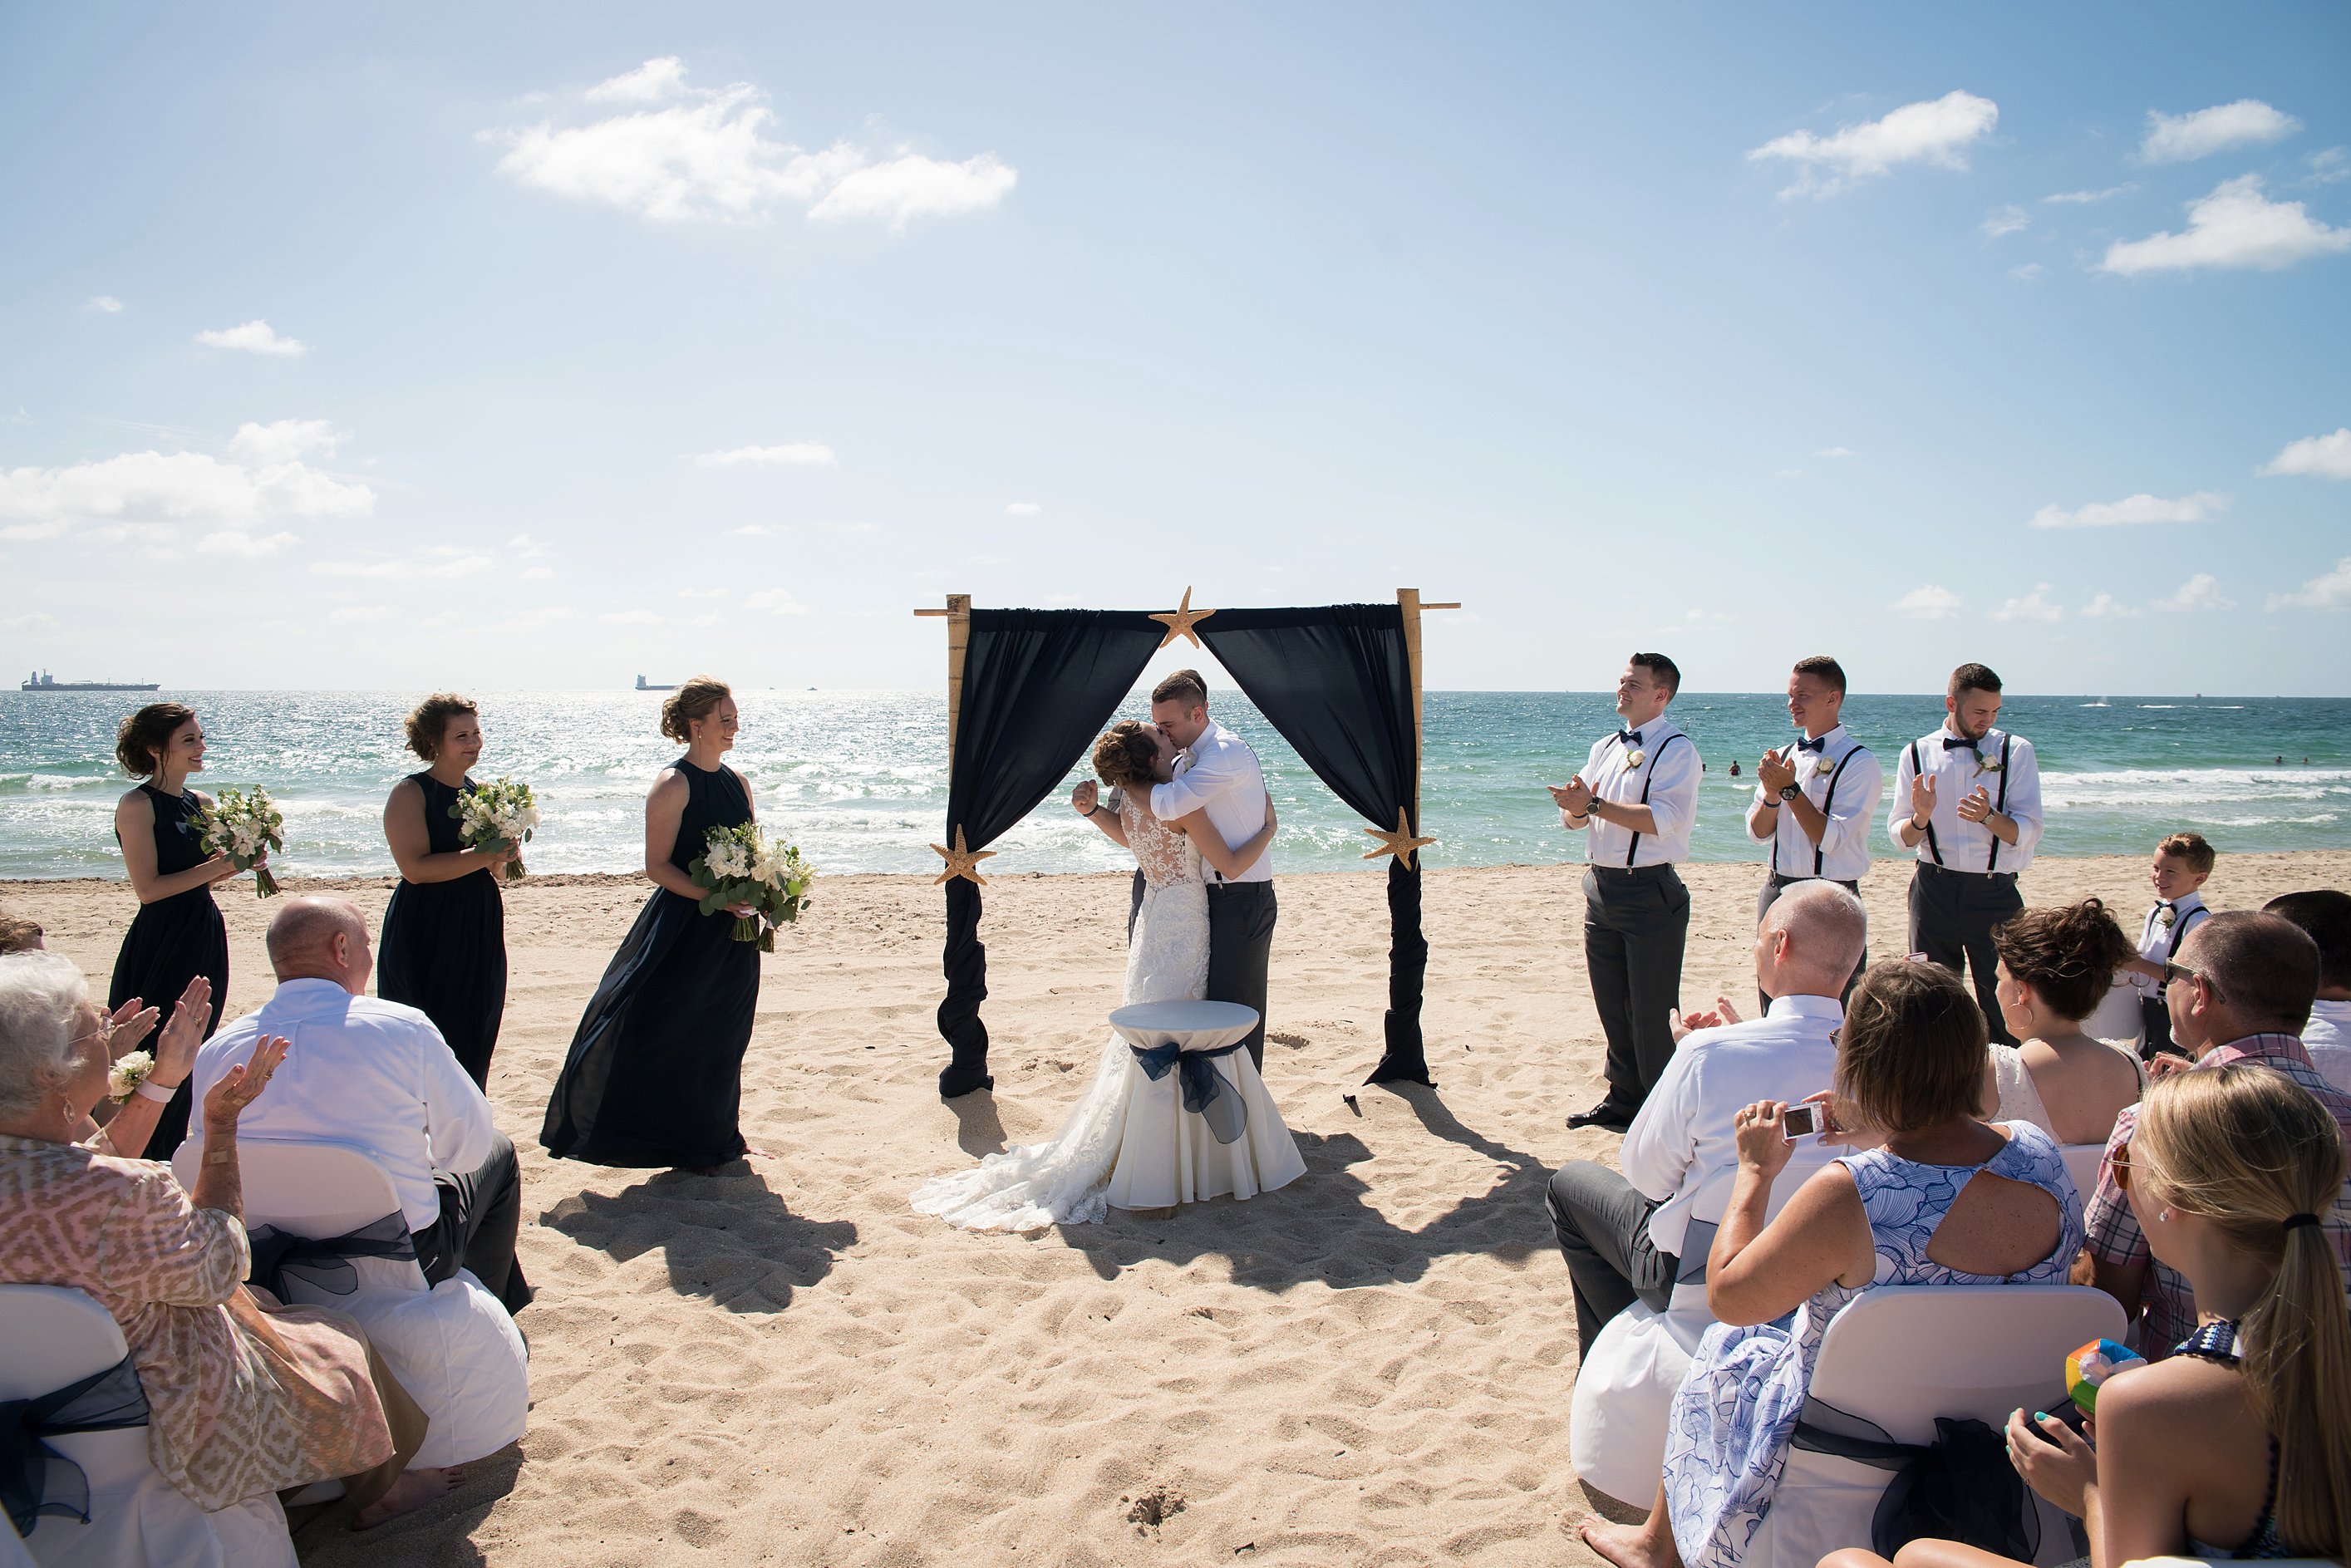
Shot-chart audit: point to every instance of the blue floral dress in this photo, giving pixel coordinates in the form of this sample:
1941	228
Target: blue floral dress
1727	1439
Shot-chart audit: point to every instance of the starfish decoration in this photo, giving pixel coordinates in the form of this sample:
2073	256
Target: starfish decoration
1180	620
1399	843
961	861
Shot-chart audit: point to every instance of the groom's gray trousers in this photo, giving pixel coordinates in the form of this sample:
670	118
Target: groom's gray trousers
1241	917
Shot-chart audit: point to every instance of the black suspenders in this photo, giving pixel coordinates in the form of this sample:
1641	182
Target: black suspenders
1648	776
1991	861
1932	847
1828	799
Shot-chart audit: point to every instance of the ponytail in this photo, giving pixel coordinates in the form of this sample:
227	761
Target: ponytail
2253	1153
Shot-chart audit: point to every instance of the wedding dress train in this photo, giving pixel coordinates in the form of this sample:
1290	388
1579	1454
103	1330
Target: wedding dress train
1128	1141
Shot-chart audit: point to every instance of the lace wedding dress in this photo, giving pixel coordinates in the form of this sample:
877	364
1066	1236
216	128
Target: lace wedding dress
1070	1181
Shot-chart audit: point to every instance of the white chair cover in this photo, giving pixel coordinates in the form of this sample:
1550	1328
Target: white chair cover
1900	1357
50	1337
452	1347
1168	1155
2081	1164
2116	1020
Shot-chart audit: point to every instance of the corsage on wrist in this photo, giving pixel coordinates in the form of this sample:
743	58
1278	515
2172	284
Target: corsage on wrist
129	1075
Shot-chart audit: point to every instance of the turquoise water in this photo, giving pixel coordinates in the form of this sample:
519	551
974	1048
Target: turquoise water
860	778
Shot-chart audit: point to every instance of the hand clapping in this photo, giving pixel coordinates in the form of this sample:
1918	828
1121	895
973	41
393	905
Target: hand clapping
1574	797
175	1049
1922	798
1775	773
242	1084
1976	805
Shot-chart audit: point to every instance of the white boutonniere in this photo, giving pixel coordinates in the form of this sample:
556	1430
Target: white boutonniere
1635	758
2164	916
1988	764
123	1079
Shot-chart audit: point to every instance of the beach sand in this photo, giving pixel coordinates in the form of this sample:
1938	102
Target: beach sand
784	1364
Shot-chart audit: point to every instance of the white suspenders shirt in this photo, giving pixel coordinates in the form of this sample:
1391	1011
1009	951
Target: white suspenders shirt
2159	940
2004	765
1660	770
1840	776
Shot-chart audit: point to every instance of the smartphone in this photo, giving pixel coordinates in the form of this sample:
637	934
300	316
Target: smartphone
1800	1121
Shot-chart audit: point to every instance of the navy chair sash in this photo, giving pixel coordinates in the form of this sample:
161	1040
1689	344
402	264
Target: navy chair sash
326	1261
35	1479
1206	1093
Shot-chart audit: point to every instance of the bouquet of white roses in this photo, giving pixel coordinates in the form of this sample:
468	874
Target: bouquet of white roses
742	865
129	1072
497	816
244	826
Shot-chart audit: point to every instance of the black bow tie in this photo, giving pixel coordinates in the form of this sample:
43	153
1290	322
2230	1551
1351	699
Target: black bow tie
1629	736
1953	742
1805	745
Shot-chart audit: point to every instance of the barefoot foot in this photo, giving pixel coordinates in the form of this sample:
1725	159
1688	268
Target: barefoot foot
413	1490
1627	1545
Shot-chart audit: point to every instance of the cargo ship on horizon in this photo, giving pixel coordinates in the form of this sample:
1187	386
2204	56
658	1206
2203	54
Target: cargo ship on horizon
42	680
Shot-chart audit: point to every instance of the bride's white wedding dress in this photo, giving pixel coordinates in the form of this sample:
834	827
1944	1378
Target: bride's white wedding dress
1128	1144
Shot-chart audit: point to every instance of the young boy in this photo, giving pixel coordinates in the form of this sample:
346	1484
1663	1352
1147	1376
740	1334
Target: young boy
2326	914
2182	862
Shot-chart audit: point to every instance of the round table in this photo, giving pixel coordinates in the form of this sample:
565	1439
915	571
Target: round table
1194	1026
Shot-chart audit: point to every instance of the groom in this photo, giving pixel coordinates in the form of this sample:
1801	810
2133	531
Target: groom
1215	768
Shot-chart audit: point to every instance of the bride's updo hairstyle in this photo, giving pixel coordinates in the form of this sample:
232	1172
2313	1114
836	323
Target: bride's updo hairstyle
2068	956
1125	757
1911	1052
429	725
693	699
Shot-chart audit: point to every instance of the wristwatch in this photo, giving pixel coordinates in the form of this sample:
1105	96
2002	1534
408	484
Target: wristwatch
1789	792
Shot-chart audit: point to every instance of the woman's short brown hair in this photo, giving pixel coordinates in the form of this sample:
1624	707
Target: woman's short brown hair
1911	1053
1126	757
139	744
2068	955
428	726
693	699
19	933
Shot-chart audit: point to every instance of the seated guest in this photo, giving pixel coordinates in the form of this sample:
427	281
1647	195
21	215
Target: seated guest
20	933
2242	1438
2240	991
2054	965
1622	1235
1947	1199
2325	917
245	1397
376	1075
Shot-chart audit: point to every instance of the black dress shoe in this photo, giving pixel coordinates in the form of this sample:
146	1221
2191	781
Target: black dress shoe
1615	1118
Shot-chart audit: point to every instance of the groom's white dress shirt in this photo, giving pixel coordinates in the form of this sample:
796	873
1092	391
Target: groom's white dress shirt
1681	1151
359	1071
1219	771
1665	779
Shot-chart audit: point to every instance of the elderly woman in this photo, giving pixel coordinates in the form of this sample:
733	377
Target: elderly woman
1946	1200
245	1397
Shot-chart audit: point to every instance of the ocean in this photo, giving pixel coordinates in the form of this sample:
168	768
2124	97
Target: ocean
859	778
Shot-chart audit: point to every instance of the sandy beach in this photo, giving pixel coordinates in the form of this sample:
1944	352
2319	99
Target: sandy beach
784	1364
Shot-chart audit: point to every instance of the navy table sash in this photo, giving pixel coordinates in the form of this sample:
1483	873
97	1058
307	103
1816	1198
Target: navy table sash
326	1261
1206	1093
35	1479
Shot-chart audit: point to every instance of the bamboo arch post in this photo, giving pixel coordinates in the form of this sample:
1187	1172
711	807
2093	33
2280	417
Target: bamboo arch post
1408	602
959	619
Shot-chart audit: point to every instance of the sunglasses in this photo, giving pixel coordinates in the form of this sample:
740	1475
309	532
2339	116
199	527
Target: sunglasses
2177	972
2119	1163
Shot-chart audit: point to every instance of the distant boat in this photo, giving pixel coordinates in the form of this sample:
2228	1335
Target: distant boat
42	680
643	685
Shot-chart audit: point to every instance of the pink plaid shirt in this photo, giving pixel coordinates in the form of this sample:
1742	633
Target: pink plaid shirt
2114	1235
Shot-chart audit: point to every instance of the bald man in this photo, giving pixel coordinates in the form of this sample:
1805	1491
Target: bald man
1625	1236
377	1076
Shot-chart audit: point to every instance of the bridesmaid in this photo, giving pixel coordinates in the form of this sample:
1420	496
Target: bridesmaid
654	1076
445	936
178	933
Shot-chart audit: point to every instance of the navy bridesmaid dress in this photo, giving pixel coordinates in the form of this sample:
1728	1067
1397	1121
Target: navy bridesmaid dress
171	942
445	942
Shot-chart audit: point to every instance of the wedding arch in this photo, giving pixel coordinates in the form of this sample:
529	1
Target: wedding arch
1028	690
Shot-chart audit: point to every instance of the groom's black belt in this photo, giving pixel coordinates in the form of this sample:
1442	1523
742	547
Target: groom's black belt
1216	888
1662	870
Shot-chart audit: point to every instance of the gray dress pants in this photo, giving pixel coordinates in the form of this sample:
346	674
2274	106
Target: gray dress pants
1602	1227
1952	913
1635	924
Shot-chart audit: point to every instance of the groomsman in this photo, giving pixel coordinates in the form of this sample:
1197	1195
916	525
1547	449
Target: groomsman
1967	798
1636	799
1814	799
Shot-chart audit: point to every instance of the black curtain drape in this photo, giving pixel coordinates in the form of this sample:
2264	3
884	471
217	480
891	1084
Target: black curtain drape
1336	682
1037	687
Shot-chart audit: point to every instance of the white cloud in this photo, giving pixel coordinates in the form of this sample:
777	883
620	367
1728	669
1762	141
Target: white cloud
2329	164
526	548
704	154
105	304
2007	220
1833	452
255	338
760	531
2235	226
2034	606
35	622
702	593
1938	131
2329	591
1930	603
2200	593
250	547
648	83
447	566
775	602
284	441
2133	509
177	484
2182	138
2107	607
2316	456
794	454
537	573
1021	508
630	618
2083	198
361	612
2028	272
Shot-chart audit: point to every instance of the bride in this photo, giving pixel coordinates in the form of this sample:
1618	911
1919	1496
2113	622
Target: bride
1103	1157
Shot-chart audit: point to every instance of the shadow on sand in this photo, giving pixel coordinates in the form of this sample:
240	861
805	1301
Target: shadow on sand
725	1236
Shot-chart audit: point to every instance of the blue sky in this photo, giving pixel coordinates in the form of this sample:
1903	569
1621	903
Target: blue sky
541	345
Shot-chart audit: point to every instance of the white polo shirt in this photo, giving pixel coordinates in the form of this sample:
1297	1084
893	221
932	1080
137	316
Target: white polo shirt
1842	776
